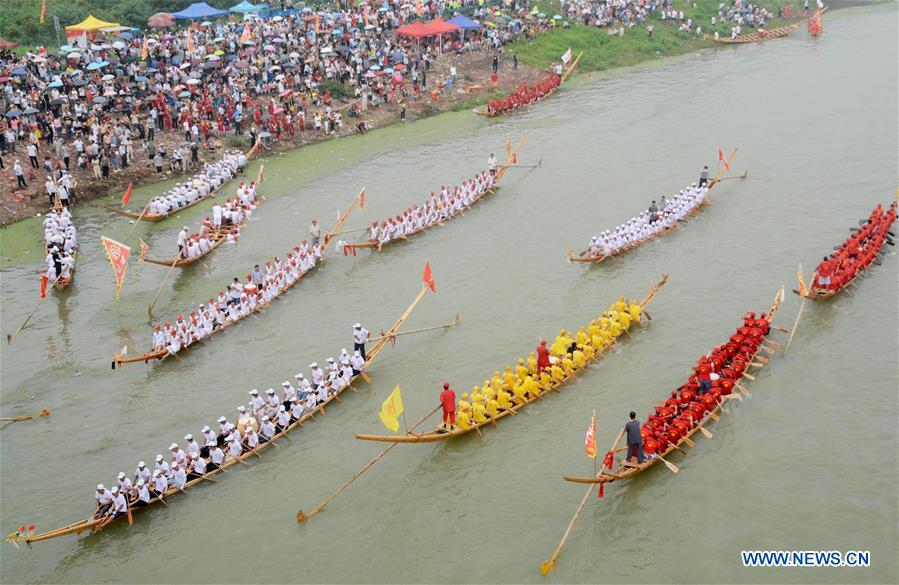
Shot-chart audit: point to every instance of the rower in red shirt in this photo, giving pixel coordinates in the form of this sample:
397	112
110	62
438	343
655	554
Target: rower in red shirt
448	400
542	357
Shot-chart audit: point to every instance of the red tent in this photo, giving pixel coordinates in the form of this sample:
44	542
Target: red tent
418	30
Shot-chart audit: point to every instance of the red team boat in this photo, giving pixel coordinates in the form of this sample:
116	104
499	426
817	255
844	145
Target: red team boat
840	269
524	95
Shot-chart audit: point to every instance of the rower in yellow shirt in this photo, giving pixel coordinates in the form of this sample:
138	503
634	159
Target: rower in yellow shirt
531	387
620	304
519	394
567	366
463	420
546	381
624	317
635	310
479	413
504	399
476	396
593	328
496	382
579	358
509	378
581	337
521	370
532	364
557	373
464	405
615	328
560	345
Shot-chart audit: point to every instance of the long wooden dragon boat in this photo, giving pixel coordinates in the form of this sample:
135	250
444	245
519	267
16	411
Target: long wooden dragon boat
63	283
757	36
625	470
93	524
815	292
585	256
154	217
440	434
565	74
217	238
511	158
162	354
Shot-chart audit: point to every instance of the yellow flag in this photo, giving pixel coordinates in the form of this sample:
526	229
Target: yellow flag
391	409
803	289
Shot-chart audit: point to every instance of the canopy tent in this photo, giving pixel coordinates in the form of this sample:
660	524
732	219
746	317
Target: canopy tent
89	25
465	23
4	44
245	7
419	30
200	10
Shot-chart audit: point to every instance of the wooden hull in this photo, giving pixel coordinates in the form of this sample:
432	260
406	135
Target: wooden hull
565	74
627	471
90	523
182	262
440	435
585	256
756	37
500	172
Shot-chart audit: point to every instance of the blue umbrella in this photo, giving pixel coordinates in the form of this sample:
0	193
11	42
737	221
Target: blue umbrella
126	35
337	31
55	84
141	78
99	100
183	94
375	68
94	66
30	111
13	114
19	71
67	48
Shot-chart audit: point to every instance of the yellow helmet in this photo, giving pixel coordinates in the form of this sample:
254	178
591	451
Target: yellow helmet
474	389
464	395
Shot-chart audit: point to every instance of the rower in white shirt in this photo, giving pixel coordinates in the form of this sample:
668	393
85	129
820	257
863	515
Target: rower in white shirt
142	473
142	494
162	466
160	484
119	503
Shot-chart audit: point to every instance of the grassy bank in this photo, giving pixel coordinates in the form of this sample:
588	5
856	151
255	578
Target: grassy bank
605	51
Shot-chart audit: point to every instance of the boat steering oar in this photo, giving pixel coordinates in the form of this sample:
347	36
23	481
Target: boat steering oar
547	566
539	164
455	321
27	319
302	517
743	176
159	290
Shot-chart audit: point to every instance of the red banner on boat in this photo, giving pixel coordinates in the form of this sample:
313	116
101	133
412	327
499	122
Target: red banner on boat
127	196
144	248
118	257
44	281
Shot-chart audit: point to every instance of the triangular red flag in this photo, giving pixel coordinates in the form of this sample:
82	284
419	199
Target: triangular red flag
44	281
144	248
362	200
127	196
428	277
720	154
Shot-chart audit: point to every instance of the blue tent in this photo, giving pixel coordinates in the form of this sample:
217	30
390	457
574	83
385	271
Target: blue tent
245	7
465	23
200	10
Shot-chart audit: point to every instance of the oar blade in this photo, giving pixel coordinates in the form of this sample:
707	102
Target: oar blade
547	566
301	517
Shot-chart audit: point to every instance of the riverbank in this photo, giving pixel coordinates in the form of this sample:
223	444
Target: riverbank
604	48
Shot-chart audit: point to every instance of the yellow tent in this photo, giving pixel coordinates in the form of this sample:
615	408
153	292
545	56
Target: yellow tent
90	25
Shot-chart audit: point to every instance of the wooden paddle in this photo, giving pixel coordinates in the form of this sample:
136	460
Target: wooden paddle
302	517
671	466
25	322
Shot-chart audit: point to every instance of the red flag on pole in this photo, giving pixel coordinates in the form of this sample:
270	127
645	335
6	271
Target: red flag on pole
43	10
118	257
590	440
44	281
723	159
144	248
127	196
428	277
362	200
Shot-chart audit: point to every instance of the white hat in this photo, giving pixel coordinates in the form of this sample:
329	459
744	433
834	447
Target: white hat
173	446
205	429
121	475
140	482
100	486
230	438
188	437
159	458
264	418
282	409
313	365
157	472
330	360
141	464
270	391
254	392
222	419
241	408
299	376
285	383
114	489
357	326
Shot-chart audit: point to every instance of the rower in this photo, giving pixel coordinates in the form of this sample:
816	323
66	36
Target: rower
124	483
196	468
634	439
448	400
360	336
209	441
266	430
119	503
357	362
142	494
162	466
142	473
179	476
104	501
182	238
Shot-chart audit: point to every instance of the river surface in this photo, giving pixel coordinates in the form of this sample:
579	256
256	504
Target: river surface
809	462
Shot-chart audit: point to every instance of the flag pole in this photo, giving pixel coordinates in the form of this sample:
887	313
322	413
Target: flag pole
594	442
136	222
159	291
27	319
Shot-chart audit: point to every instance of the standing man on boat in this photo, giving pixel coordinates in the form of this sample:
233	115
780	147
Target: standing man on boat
315	232
448	400
542	357
360	336
182	238
634	439
704	176
492	163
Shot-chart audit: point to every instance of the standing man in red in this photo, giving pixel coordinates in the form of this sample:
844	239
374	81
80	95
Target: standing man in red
448	400
542	357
